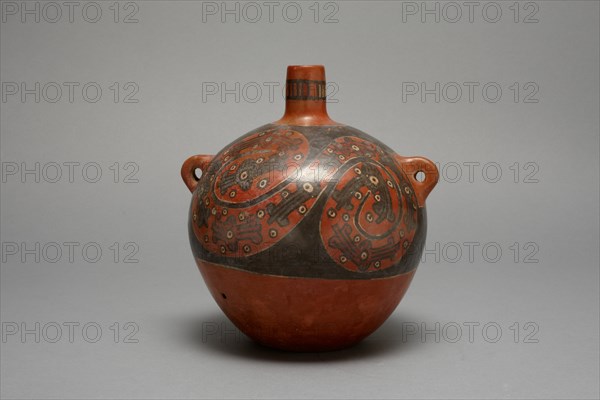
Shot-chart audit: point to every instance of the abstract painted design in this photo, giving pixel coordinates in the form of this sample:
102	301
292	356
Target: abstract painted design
283	183
363	224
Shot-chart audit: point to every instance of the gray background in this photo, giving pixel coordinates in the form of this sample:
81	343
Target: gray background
185	347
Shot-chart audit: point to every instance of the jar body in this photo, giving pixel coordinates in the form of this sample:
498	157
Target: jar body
308	236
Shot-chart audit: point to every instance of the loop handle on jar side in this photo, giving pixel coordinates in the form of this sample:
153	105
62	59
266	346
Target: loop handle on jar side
422	173
189	167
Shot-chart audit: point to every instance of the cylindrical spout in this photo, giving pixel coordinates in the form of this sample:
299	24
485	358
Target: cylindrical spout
305	96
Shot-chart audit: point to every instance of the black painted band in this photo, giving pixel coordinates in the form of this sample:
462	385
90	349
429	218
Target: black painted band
305	89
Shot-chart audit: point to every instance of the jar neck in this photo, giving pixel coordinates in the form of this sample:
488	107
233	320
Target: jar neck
305	97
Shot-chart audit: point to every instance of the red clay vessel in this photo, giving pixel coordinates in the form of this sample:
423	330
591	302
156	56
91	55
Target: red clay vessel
307	232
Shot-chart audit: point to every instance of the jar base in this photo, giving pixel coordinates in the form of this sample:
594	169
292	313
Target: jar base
303	314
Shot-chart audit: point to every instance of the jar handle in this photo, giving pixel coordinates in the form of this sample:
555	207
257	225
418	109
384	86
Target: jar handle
188	169
412	167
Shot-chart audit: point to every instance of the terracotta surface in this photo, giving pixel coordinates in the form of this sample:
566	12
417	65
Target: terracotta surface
303	314
308	205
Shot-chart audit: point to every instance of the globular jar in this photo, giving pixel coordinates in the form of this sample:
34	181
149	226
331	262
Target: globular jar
307	232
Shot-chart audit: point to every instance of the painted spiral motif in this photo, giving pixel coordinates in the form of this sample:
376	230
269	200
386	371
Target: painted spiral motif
259	189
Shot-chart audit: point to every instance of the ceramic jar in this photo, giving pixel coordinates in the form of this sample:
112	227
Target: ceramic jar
307	232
